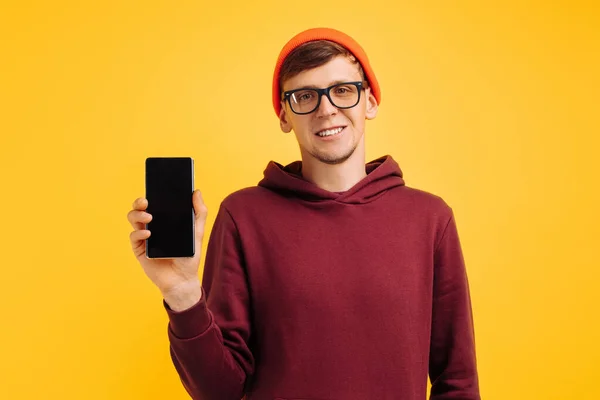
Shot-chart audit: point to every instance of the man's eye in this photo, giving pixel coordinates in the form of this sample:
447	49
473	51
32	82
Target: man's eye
306	96
345	90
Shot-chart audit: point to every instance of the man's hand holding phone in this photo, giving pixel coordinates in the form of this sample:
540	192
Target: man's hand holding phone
176	278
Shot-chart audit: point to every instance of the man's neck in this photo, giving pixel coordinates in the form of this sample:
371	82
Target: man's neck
337	177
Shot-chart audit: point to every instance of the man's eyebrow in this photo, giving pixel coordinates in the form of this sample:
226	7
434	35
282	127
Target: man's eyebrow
336	82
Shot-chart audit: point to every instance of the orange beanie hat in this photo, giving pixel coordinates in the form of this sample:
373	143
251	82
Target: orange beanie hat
324	34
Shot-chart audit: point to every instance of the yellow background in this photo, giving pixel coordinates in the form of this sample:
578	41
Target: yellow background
492	105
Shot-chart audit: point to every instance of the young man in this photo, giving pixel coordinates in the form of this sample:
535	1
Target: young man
331	279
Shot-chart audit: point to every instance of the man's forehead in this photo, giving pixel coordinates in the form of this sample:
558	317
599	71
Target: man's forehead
335	71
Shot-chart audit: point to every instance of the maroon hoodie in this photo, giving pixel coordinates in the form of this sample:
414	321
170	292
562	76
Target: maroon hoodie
310	294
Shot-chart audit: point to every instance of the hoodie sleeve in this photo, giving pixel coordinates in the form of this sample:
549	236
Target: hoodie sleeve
209	341
452	361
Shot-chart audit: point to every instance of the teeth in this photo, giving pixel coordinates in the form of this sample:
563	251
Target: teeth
329	132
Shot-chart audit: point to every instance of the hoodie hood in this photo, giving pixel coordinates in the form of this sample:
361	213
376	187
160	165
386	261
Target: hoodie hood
382	174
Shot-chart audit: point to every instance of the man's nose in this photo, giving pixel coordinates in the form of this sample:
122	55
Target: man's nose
326	108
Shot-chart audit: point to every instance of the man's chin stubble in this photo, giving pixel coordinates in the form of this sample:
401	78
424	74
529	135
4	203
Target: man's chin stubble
333	160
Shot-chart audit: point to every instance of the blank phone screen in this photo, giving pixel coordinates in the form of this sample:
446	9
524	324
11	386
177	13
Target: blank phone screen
169	189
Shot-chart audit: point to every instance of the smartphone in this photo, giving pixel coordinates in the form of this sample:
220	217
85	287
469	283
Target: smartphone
169	190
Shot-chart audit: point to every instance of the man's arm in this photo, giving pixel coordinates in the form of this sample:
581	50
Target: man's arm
209	340
452	361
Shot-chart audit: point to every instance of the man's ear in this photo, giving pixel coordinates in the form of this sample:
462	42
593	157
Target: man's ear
284	123
372	105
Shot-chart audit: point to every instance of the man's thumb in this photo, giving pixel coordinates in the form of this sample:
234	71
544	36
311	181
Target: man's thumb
200	209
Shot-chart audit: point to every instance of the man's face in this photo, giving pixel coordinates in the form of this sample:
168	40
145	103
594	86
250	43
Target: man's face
336	148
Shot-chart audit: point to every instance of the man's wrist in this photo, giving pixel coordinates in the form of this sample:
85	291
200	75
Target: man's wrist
183	296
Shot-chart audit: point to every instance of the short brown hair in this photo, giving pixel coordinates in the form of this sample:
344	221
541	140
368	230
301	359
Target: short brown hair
312	55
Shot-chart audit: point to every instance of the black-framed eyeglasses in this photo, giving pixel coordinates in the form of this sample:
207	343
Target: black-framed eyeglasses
341	95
